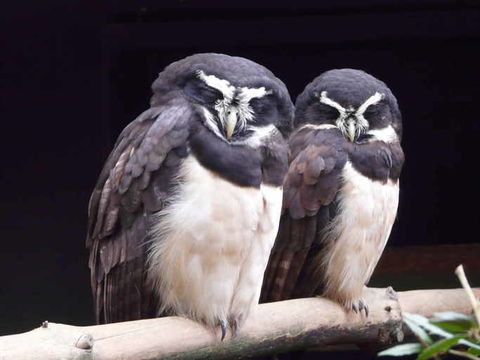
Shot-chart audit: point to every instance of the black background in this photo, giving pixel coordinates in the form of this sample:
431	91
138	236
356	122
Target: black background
75	73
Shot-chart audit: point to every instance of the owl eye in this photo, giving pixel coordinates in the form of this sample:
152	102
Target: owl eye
328	112
369	113
372	112
260	106
210	95
202	93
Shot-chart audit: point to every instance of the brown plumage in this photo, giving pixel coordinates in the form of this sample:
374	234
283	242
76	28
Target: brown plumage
311	184
340	192
135	180
186	209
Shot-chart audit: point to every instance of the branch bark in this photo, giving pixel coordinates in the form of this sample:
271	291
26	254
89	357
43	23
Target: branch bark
275	327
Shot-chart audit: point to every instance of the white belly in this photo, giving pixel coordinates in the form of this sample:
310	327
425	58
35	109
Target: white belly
211	246
358	235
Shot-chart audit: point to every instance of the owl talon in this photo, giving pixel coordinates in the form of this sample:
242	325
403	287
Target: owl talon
364	306
355	308
223	326
359	306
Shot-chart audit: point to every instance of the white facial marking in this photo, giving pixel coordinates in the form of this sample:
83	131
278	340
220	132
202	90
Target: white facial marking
210	122
324	99
259	133
320	127
225	107
244	96
351	129
220	84
247	94
361	123
372	100
387	134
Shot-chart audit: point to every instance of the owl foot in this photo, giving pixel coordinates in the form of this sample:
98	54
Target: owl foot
360	305
223	327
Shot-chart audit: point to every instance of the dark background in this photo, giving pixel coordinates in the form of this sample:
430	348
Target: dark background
75	73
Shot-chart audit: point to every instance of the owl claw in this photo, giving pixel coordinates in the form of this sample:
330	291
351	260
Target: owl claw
364	306
355	308
223	326
360	305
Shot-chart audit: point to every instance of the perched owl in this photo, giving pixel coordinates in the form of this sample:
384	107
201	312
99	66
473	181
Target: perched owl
340	192
186	209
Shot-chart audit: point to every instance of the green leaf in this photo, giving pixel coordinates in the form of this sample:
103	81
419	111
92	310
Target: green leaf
418	331
439	347
469	343
453	322
451	316
402	350
433	329
453	327
424	323
474	351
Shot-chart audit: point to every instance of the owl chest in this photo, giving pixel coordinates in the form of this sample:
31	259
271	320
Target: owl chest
240	165
209	207
211	244
367	206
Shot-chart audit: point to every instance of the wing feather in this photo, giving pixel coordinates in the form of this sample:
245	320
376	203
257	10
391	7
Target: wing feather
135	182
310	188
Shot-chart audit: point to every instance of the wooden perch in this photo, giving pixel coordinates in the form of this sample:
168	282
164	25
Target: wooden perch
275	327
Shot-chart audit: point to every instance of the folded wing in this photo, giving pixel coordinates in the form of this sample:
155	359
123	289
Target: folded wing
136	181
317	157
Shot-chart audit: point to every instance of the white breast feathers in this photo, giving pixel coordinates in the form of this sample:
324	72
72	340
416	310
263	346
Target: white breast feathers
357	236
211	246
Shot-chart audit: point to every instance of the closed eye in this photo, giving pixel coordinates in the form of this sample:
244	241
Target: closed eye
202	93
261	105
328	112
372	111
209	94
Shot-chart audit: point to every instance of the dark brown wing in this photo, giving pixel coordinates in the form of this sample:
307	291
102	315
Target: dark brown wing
135	182
310	187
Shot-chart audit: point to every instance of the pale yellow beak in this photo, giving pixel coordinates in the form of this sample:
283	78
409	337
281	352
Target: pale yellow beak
231	122
351	130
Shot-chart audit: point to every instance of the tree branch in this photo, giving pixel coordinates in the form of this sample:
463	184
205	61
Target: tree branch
275	327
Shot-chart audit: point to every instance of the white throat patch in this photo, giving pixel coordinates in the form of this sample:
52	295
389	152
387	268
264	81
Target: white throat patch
387	134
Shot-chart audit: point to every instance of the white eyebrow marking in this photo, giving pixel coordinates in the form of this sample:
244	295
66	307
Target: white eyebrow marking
372	100
220	84
210	122
247	94
327	101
